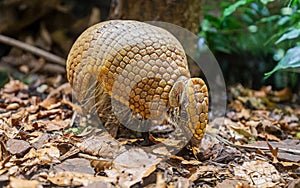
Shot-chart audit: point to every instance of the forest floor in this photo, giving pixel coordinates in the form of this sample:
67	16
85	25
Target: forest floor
256	144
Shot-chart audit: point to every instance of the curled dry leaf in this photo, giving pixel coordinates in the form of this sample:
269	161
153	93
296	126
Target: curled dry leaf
47	113
48	103
7	129
12	106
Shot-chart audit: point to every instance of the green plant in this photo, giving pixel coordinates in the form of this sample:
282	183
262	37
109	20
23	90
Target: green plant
289	35
264	30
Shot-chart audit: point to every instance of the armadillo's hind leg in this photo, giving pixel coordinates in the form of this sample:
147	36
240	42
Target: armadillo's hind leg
107	118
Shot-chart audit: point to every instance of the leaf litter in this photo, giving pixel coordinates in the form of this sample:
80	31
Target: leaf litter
255	145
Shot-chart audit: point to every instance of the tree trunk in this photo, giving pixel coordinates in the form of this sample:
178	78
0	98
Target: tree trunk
184	13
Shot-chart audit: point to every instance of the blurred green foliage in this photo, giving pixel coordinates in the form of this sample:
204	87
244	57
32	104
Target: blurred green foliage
258	29
4	78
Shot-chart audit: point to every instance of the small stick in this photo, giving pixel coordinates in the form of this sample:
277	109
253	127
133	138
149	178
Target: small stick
37	51
288	150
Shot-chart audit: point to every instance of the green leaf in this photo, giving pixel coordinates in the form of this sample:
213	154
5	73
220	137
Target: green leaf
286	11
291	61
214	21
266	1
289	35
205	25
269	19
292	3
229	10
284	20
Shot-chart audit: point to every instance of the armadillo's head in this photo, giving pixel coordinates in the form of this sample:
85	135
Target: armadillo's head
190	97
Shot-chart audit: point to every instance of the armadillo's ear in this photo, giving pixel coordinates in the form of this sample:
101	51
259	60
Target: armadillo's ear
176	93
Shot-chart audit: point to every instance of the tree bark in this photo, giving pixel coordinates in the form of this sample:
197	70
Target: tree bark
184	13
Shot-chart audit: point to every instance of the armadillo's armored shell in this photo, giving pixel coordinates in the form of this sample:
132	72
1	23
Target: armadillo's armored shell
137	64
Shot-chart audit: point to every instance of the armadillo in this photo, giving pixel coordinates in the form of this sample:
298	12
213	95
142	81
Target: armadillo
142	66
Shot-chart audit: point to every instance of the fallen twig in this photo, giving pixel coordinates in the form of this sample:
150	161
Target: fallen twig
288	150
32	49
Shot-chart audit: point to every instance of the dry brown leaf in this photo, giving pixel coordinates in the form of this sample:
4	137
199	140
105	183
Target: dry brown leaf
191	162
12	106
48	155
72	179
239	128
202	170
21	183
274	151
100	165
32	109
283	146
5	115
182	182
65	88
47	113
20	115
2	171
258	173
160	181
294	183
75	165
290	118
14	86
282	95
271	127
236	105
48	102
34	136
270	136
56	125
259	94
132	166
289	164
256	103
103	145
17	147
244	113
44	156
39	139
7	128
233	184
